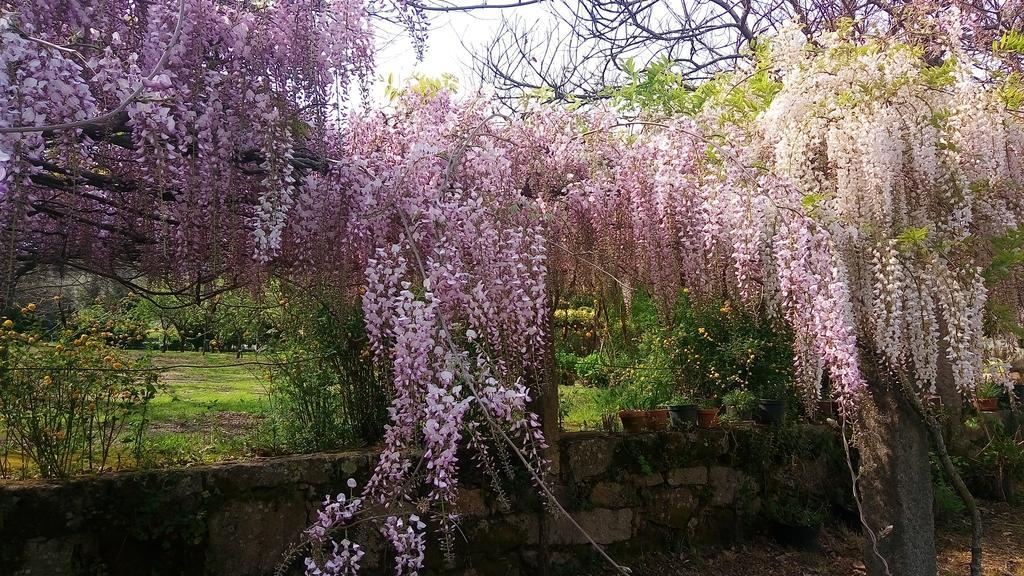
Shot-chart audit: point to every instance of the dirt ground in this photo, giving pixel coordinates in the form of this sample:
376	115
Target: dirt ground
1003	553
230	423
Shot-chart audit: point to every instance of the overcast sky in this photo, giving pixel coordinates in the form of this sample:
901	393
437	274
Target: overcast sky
448	46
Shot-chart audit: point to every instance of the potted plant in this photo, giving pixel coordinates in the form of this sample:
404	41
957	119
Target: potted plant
657	419
639	410
797	519
771	407
642	392
987	396
653	420
682	411
740	404
633	420
707	413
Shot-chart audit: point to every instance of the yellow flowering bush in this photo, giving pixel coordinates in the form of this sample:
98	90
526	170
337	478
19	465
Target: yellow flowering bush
68	405
720	348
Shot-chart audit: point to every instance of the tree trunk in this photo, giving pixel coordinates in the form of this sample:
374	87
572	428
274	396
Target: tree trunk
895	486
545	405
952	421
546	401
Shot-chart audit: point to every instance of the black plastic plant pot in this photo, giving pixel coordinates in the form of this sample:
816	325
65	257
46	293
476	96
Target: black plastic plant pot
683	415
770	411
796	536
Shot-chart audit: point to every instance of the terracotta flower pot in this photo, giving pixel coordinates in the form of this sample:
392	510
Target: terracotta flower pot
656	419
633	420
988	404
707	417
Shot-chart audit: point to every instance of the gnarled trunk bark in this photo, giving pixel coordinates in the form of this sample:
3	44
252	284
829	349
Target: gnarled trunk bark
895	486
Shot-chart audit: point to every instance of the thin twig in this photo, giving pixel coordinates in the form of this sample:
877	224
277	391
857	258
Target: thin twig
856	498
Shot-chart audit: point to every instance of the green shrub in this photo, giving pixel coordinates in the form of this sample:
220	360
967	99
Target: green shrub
67	406
577	328
566	361
718	347
1000	464
948	504
649	381
116	322
593	370
326	390
988	389
740	402
307	407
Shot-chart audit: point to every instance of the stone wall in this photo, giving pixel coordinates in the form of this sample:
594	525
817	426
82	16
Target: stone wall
633	493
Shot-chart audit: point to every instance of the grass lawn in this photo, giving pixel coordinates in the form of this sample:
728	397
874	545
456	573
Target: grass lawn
581	407
206	384
208	408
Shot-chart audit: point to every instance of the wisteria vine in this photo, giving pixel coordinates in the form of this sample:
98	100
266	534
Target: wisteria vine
859	203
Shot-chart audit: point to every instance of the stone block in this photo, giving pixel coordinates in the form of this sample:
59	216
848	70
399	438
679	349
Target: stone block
690	476
240	477
723	485
56	556
505	532
726	483
471	503
604	526
589	457
246	537
648	480
609	495
669	507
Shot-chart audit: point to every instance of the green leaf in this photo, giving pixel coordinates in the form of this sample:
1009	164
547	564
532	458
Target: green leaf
913	235
1011	41
811	201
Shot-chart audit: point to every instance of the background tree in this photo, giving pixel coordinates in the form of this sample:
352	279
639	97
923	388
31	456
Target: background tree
580	49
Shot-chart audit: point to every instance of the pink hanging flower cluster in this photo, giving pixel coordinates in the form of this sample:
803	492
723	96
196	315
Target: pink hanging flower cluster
197	174
655	210
409	542
910	170
817	303
454	261
343	560
851	208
